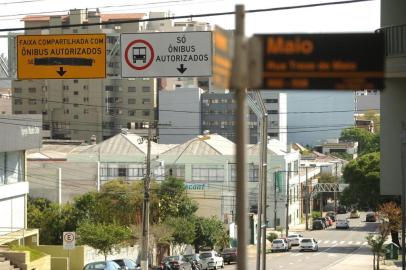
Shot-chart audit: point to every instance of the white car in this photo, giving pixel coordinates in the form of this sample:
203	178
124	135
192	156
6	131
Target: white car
342	224
308	244
211	260
295	239
279	245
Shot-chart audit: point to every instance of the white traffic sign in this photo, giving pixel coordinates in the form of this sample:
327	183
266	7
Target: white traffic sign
69	240
166	54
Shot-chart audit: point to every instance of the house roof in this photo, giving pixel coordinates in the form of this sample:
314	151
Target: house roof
211	144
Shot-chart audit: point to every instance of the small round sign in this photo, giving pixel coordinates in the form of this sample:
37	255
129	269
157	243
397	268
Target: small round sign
139	54
69	237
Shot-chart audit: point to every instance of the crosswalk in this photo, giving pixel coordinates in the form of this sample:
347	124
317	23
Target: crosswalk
335	242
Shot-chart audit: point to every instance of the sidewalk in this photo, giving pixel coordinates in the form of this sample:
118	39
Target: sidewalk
361	259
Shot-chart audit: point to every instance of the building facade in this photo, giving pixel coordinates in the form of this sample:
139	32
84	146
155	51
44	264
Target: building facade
19	133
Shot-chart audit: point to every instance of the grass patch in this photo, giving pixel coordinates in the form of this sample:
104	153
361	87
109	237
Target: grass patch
34	254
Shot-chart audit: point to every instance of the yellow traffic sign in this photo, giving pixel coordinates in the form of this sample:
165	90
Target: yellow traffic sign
76	56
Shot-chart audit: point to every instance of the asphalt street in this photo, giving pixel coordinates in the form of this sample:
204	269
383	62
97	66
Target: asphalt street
334	246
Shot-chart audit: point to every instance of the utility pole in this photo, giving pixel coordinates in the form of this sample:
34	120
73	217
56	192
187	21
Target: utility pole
287	203
403	179
335	189
275	200
307	202
265	185
145	209
239	84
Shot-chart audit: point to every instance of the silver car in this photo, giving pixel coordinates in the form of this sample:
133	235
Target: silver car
104	265
295	239
308	244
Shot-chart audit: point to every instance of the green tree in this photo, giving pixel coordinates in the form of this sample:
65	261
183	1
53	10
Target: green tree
106	238
183	229
209	232
374	116
367	141
173	200
376	242
363	176
391	213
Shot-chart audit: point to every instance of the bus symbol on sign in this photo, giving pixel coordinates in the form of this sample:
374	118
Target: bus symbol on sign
139	53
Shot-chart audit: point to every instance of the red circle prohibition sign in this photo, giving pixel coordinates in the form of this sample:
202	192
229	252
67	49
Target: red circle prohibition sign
69	237
146	43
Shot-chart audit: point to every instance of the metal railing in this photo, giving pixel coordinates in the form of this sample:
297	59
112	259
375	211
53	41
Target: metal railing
395	39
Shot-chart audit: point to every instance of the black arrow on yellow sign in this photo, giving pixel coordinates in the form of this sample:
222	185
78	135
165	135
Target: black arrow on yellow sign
61	72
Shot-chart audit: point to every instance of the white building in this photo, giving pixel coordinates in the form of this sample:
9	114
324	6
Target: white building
19	133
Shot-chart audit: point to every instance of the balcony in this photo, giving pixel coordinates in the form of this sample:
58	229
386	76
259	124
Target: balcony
395	50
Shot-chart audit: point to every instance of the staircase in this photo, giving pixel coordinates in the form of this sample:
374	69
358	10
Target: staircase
6	265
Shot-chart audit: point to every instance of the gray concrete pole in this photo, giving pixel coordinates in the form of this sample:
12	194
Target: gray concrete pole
239	85
265	186
307	202
145	216
403	179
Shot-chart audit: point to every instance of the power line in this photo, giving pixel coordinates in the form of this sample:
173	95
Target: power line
182	16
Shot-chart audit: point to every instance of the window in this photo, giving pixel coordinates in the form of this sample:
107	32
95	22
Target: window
32	101
85	87
75	31
86	99
75	81
131	112
271	100
32	90
272	111
85	111
32	112
109	88
253	173
75	105
273	135
146	101
122	172
18	90
146	89
65	99
65	87
131	101
132	89
66	111
76	116
76	93
177	171
208	173
18	112
145	113
18	101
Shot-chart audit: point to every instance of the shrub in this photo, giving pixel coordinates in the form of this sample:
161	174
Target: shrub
271	237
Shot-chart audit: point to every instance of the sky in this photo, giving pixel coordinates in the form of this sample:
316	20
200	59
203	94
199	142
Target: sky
355	17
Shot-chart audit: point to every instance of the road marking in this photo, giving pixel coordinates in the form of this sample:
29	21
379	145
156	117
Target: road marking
358	243
334	242
326	242
342	242
365	243
332	255
350	242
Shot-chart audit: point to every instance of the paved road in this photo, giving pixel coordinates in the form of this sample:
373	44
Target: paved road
334	245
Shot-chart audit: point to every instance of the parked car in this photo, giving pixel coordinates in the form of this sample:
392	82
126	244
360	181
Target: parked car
342	209
287	241
370	217
317	225
211	259
279	245
229	255
308	244
177	262
126	264
194	257
342	224
354	214
295	239
104	265
331	215
323	220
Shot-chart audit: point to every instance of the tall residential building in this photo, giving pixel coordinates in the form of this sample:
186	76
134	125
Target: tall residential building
393	98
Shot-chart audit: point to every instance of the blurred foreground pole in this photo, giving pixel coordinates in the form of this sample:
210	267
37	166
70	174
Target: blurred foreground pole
239	85
403	179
